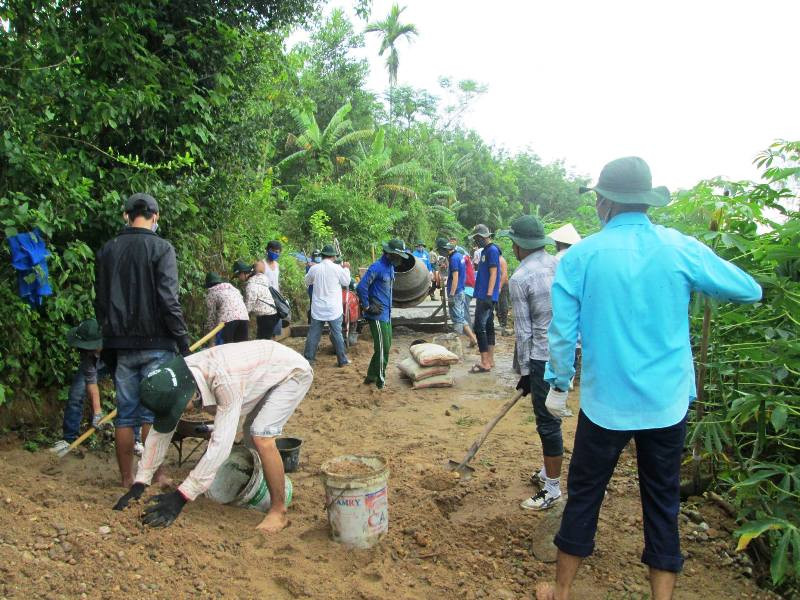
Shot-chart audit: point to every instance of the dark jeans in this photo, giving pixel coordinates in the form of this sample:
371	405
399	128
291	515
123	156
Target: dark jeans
73	411
484	324
235	331
266	325
548	426
314	335
594	457
502	306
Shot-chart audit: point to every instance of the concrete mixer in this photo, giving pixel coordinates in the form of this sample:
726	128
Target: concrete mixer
412	283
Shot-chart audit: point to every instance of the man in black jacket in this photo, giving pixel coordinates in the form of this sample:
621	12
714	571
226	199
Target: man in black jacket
137	306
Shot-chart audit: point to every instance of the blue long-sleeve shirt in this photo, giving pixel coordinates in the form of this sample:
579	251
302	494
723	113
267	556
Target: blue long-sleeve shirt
376	285
424	257
626	291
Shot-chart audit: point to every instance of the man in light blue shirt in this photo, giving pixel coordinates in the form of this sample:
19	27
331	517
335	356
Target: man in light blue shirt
626	292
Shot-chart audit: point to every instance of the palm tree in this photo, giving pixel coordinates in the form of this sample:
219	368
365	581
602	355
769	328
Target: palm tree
321	145
374	168
392	30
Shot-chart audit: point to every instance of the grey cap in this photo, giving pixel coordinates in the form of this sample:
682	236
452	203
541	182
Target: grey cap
141	201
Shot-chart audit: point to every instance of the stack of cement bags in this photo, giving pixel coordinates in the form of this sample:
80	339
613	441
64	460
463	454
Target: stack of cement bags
429	366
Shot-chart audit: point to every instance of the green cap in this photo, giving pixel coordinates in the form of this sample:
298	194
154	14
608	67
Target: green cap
86	336
421	243
328	250
481	230
166	392
397	247
628	181
241	267
527	232
443	244
213	279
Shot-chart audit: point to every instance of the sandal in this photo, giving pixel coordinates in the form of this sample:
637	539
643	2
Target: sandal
478	369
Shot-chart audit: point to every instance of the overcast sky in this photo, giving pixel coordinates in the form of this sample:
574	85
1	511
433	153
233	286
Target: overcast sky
697	88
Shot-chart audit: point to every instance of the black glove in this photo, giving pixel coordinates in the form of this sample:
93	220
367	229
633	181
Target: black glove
524	384
183	346
374	308
163	509
134	493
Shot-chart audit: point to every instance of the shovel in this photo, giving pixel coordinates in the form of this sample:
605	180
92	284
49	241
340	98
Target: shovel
463	468
88	433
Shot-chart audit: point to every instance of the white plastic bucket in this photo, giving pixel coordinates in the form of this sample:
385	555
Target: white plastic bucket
240	481
358	504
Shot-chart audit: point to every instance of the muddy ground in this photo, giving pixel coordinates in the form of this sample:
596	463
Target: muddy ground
447	538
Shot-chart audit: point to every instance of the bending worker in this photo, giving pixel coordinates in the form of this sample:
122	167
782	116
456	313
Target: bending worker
262	380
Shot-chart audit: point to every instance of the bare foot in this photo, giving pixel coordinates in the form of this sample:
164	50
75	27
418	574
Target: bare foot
545	591
273	522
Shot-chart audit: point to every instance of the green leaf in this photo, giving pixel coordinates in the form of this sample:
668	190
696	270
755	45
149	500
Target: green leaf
11	231
778	418
751	530
780	558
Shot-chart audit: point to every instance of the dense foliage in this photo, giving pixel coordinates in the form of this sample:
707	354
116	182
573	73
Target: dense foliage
242	141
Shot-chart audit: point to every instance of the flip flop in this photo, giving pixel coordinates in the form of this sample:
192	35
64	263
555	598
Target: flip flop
478	369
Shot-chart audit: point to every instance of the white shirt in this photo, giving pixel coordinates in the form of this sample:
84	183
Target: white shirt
273	274
234	378
328	279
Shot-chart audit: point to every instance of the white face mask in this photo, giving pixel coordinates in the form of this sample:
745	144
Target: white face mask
603	212
154	227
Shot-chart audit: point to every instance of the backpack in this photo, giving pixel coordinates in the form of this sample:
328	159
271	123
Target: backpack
282	306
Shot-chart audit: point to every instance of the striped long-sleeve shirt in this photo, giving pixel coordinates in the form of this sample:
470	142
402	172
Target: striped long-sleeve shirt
529	288
234	378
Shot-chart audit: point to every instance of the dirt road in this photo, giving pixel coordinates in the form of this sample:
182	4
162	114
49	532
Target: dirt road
447	539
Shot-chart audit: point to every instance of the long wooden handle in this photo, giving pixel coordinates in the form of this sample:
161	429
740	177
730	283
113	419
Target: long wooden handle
88	433
488	429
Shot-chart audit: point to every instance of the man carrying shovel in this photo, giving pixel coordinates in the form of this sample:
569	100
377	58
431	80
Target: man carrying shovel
529	288
626	292
262	380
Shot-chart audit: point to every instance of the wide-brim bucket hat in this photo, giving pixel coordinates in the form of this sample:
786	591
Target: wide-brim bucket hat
481	230
628	180
443	244
86	336
241	267
527	232
328	250
397	247
166	392
213	279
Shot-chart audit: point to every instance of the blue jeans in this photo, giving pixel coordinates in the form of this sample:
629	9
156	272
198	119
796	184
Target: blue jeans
457	304
484	324
73	411
132	367
594	457
315	334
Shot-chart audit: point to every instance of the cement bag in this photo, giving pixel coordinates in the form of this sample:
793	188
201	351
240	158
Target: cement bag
429	355
437	381
414	372
452	342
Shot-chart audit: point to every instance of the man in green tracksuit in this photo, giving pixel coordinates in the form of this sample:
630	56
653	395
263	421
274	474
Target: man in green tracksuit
375	294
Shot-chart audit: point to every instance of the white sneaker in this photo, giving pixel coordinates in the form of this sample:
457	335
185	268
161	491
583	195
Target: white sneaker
541	501
60	447
138	448
538	478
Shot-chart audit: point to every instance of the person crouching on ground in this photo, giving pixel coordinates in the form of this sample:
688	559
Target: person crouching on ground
529	288
626	292
261	380
375	293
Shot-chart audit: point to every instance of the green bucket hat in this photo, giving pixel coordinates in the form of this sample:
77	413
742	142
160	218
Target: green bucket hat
241	267
527	232
86	336
421	243
166	392
628	181
213	279
481	230
443	244
328	250
397	247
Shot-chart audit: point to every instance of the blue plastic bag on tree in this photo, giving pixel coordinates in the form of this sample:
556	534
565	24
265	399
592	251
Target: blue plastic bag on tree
29	257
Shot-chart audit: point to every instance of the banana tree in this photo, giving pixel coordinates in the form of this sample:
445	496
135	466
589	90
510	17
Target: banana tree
373	168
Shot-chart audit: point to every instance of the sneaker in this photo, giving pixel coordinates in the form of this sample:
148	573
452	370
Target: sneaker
538	478
541	501
60	447
138	448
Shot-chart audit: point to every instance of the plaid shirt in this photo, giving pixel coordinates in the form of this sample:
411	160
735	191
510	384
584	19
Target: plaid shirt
234	378
529	288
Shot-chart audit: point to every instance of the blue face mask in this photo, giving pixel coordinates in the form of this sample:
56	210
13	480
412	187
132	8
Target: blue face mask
317	259
273	255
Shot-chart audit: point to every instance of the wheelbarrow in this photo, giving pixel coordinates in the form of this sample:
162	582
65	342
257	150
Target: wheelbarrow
199	430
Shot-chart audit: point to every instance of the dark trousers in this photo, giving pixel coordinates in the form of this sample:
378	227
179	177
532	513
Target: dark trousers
594	457
235	331
502	306
548	426
484	324
266	326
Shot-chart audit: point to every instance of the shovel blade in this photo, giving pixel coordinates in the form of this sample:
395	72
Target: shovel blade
465	471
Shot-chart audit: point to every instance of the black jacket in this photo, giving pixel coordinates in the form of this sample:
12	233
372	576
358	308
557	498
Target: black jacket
136	293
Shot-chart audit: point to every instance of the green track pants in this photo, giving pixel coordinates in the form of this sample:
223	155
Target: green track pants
381	343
